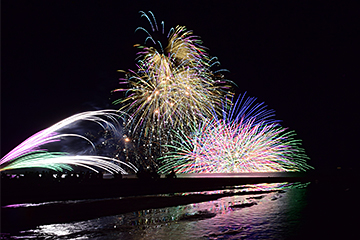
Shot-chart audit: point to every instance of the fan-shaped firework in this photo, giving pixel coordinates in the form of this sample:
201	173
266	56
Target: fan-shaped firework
247	140
61	161
173	86
29	153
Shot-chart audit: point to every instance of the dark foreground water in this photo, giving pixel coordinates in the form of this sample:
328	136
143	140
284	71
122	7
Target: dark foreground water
265	211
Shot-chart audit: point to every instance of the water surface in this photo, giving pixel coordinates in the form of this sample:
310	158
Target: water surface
257	214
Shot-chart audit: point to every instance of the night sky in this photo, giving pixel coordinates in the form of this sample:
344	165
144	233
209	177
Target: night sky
59	58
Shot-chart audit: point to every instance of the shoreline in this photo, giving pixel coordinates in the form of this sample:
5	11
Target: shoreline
26	191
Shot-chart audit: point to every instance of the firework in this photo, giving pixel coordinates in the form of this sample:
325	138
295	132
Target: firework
30	153
59	161
50	134
247	139
173	86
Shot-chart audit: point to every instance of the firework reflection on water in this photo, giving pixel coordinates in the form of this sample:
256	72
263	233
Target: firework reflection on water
260	214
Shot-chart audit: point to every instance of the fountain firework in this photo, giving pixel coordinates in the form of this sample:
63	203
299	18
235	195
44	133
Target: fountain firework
32	153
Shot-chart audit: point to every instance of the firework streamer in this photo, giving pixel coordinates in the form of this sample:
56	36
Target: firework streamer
31	152
173	86
59	161
246	139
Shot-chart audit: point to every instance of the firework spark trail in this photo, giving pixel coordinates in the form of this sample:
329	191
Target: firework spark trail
245	140
173	85
50	134
223	148
249	110
29	145
59	161
29	153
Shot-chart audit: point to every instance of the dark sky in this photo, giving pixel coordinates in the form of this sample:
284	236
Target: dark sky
59	58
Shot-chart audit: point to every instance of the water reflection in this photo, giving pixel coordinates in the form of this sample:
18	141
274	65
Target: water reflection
262	213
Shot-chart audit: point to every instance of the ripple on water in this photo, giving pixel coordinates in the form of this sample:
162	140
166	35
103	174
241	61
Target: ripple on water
258	215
